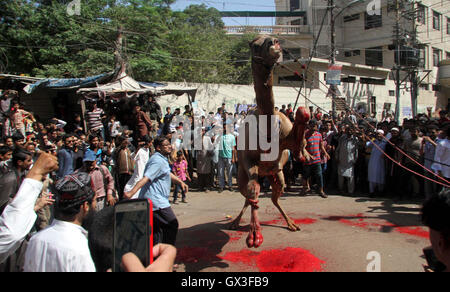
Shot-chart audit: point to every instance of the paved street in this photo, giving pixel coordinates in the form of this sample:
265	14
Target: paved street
337	234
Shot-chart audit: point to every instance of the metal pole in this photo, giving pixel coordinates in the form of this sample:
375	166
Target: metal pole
333	55
414	74
397	65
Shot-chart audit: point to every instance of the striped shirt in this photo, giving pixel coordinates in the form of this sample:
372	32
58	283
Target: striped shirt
94	119
314	139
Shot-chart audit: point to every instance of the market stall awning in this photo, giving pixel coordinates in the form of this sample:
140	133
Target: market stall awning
179	90
21	78
71	83
123	85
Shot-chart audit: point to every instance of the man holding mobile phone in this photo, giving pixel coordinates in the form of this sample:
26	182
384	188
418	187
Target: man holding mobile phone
436	215
156	187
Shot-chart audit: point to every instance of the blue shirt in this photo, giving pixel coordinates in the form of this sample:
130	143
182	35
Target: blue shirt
158	188
65	161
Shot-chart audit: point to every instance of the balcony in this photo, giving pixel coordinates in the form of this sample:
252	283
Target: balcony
269	30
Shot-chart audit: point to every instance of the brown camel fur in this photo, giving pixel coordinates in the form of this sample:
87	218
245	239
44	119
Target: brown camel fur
266	51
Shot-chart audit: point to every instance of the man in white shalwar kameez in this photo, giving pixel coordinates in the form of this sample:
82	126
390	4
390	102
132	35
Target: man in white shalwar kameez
204	162
347	154
376	171
140	161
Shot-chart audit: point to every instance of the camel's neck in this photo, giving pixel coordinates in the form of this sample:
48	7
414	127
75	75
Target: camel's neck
263	79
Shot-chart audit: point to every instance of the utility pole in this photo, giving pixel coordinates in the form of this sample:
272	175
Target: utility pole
414	72
333	55
397	63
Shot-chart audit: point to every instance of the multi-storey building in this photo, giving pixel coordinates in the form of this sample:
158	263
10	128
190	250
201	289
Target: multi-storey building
366	38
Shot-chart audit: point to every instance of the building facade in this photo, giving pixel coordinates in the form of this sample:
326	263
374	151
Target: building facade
366	36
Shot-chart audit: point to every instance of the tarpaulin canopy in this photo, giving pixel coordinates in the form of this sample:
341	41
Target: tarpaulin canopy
123	84
127	86
71	83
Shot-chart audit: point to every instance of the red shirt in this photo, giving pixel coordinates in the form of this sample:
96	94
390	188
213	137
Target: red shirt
314	140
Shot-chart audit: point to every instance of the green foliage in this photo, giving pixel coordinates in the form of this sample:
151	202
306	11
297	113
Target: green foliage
40	38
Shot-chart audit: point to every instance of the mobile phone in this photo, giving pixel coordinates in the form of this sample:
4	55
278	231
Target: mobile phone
133	231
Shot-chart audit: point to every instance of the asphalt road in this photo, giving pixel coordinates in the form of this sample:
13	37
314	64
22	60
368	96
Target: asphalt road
338	234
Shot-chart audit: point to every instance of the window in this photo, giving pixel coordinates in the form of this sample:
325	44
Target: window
422	57
352	53
373	104
436	57
373	81
351	17
349	79
448	25
447	55
436	20
295	4
372	21
436	87
391	92
421	14
374	56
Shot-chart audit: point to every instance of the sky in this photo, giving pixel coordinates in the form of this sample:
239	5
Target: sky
234	5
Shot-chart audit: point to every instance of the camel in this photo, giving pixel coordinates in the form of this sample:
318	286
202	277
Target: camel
266	51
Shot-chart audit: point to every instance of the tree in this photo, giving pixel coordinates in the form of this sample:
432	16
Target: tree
41	39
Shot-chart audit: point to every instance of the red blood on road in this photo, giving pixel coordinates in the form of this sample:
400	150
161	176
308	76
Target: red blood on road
305	221
359	220
286	260
417	231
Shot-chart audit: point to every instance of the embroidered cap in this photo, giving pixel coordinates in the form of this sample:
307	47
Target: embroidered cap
73	190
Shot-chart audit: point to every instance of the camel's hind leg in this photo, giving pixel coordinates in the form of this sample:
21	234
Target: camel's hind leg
278	184
235	224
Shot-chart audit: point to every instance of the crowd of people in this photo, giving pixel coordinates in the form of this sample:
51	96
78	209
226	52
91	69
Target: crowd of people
356	153
103	159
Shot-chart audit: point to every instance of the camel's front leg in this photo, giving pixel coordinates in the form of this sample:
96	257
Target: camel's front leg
255	238
277	182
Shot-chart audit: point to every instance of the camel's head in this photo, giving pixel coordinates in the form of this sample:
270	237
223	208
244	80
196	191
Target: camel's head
266	50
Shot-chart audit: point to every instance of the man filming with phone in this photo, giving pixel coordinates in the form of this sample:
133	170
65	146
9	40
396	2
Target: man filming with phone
156	187
436	215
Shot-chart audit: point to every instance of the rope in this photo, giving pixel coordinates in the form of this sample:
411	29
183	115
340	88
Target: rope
412	171
395	146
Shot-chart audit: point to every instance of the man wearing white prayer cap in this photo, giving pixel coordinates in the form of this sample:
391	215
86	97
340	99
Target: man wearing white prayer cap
376	169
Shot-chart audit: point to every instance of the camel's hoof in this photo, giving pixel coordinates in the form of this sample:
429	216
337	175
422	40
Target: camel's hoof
293	227
250	240
254	239
258	239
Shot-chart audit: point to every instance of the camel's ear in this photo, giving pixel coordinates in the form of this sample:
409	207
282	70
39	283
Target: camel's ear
259	41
